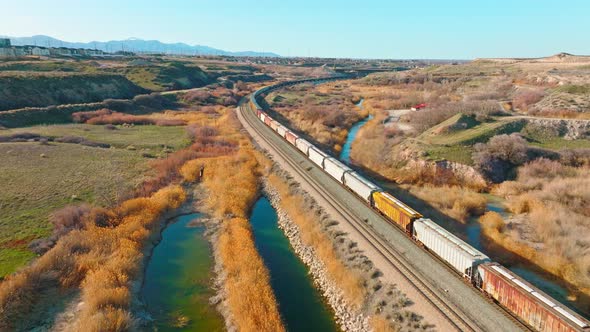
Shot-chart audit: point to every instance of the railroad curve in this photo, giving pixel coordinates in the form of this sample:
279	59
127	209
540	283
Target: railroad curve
457	317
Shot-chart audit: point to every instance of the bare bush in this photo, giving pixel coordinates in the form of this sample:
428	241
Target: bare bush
82	117
500	155
68	218
524	99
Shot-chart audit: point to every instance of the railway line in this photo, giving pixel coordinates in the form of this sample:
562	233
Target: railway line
521	302
465	317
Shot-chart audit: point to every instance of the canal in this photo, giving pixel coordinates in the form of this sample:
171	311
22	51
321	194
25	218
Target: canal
178	279
301	305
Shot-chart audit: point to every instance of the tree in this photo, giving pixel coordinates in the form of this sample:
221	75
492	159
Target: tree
500	155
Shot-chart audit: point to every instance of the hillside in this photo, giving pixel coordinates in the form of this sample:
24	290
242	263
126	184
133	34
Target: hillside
18	90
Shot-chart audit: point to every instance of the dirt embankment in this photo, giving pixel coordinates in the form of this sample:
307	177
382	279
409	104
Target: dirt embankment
40	90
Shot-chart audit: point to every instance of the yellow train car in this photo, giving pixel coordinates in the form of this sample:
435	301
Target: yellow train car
395	210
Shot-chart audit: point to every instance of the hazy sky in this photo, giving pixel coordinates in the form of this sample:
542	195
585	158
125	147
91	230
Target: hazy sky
457	29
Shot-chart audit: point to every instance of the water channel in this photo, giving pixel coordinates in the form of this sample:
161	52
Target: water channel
177	284
301	305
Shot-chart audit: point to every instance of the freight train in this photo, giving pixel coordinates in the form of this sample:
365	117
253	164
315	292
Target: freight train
529	304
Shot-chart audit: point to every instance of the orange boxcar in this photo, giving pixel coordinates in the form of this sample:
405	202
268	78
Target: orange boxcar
395	210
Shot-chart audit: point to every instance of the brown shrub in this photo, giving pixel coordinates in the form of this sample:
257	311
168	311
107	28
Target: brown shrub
198	131
120	118
82	117
68	218
169	122
500	155
524	99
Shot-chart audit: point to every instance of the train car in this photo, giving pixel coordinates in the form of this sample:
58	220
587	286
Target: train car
317	156
303	145
282	130
395	210
336	169
534	307
463	257
360	186
291	137
268	120
274	124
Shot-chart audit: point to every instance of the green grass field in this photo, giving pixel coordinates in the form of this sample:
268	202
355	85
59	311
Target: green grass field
457	145
34	185
456	153
479	133
151	139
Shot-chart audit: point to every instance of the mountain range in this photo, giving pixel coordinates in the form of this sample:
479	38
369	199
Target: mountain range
133	45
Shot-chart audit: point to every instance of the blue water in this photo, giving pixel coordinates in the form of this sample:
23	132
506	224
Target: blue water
300	304
345	153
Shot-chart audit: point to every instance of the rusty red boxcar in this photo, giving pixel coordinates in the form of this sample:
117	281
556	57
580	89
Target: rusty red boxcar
268	120
291	137
534	307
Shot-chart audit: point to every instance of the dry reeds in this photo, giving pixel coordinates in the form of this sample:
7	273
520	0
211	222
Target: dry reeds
553	201
247	284
101	258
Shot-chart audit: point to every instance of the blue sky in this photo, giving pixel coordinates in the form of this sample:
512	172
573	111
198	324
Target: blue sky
455	29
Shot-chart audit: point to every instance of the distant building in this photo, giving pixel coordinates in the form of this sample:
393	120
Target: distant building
39	51
5	42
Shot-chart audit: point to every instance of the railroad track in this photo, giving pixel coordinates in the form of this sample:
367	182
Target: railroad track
371	231
396	259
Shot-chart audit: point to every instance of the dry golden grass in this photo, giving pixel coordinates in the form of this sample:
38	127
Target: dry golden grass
191	169
102	259
456	202
552	199
381	324
312	235
247	284
232	185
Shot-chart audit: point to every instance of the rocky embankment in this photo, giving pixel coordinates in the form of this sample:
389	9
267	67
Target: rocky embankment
347	317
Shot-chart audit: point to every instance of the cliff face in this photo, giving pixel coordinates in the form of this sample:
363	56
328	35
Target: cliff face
567	128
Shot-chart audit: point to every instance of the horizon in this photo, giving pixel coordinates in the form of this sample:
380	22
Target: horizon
284	56
457	30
